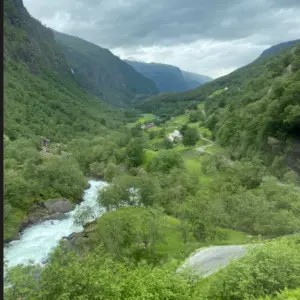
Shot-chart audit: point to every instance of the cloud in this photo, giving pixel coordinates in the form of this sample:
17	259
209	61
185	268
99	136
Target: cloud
212	37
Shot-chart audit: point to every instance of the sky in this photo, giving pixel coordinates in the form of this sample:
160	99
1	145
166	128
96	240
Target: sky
209	37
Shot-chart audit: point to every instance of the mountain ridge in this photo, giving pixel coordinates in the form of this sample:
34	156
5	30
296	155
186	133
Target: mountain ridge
279	47
169	78
102	73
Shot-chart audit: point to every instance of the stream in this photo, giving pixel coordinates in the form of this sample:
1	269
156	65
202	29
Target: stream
37	241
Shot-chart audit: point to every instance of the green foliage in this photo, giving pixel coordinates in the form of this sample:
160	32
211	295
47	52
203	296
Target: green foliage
97	169
103	74
137	233
247	107
135	153
165	160
287	294
43	99
264	271
130	190
190	136
30	176
97	276
110	172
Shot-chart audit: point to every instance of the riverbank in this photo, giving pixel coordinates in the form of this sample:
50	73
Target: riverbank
38	240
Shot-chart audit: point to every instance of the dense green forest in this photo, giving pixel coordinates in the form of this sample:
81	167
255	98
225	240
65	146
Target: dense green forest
219	183
252	111
41	99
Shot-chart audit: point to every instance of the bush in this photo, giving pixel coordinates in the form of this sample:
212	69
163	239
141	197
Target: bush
166	160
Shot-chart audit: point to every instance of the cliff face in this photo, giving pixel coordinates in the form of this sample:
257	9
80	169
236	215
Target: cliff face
29	42
104	74
42	97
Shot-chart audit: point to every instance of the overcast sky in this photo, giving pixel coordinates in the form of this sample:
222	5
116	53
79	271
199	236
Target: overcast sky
210	37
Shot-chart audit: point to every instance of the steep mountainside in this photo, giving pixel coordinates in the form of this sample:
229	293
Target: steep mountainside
42	99
41	95
102	73
254	110
169	78
194	80
277	48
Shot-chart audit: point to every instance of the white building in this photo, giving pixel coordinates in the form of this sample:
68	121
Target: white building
174	135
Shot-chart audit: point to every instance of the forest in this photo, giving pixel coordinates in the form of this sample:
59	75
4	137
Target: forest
230	177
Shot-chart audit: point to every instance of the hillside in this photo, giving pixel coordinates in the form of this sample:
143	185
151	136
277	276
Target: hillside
42	99
152	190
248	107
194	80
103	74
169	78
41	95
279	47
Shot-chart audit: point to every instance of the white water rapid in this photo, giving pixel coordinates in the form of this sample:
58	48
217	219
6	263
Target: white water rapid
38	241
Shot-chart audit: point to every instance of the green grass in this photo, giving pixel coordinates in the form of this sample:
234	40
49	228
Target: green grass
178	122
231	237
149	155
216	93
202	143
146	118
130	125
201	106
214	149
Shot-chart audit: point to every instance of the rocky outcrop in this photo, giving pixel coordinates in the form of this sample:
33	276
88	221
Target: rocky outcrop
53	209
58	205
76	240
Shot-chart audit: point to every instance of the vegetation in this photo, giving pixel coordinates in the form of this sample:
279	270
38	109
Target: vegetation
252	111
166	198
103	74
43	100
262	274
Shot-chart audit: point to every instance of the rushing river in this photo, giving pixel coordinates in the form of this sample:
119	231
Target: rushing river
38	241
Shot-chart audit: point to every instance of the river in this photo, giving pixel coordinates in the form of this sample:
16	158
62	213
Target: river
37	241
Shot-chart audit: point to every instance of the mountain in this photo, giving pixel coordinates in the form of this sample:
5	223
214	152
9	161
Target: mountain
169	78
255	110
41	95
194	80
44	105
277	48
103	74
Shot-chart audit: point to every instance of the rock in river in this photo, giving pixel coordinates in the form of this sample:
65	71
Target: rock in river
59	205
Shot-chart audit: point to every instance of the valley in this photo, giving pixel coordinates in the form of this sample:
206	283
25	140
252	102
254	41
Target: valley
143	184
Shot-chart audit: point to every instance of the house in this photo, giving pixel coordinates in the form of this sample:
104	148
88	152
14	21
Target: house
151	125
175	135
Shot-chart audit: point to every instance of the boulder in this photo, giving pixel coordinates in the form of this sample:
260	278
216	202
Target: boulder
58	205
56	216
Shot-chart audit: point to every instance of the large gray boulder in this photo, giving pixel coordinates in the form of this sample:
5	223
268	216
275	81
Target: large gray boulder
59	205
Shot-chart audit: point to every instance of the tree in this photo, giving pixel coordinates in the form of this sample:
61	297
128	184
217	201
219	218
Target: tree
111	171
190	137
135	153
196	116
97	169
70	276
168	144
165	160
264	271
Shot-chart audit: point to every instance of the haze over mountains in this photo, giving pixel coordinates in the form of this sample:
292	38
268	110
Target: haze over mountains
169	78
